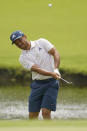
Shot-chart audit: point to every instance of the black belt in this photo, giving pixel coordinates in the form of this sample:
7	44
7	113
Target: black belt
45	80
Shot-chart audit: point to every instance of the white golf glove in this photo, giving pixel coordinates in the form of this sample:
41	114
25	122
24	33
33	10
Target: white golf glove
57	71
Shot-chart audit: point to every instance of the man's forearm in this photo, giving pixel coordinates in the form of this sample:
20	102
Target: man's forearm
37	69
56	56
56	59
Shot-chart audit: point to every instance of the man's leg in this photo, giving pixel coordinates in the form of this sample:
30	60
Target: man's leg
33	115
34	101
46	113
49	99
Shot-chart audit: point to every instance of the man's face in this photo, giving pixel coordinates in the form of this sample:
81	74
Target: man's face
22	43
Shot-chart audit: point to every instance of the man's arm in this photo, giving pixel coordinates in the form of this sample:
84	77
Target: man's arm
37	69
51	50
56	56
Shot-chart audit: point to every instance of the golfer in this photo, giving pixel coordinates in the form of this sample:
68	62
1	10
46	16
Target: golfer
43	60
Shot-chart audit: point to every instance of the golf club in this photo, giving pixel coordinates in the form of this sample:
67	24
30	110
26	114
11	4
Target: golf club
65	81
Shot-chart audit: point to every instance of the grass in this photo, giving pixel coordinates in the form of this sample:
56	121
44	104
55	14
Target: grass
62	125
41	123
46	129
64	25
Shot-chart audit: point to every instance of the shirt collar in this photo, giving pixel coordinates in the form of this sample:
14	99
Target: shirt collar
32	44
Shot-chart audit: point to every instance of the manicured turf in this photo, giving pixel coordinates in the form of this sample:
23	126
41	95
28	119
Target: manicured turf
44	129
65	25
61	125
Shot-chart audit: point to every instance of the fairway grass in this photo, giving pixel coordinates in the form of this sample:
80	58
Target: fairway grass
65	25
45	129
61	125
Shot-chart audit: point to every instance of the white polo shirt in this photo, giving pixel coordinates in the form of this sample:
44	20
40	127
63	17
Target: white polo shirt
38	54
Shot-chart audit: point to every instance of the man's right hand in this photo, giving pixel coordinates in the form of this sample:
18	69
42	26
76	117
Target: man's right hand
55	75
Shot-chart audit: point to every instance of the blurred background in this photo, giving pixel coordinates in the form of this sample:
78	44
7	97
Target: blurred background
64	24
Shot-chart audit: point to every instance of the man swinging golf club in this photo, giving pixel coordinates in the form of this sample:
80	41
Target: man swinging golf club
43	60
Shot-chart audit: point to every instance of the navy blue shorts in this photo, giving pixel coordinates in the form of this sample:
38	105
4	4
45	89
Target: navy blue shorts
43	95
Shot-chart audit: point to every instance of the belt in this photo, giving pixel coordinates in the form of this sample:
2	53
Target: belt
45	80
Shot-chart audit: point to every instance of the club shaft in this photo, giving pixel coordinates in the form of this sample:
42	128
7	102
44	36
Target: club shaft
65	81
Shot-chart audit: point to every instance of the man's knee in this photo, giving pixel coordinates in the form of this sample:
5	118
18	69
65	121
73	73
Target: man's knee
46	113
33	115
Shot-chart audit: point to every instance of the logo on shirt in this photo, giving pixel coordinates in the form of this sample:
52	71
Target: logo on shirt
40	48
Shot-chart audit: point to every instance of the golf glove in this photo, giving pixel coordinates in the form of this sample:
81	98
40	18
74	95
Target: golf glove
57	71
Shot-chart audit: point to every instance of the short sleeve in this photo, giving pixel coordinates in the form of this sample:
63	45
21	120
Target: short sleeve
46	44
26	63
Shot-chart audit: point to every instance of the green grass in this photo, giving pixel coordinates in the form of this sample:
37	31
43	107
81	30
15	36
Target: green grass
41	123
62	125
65	25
